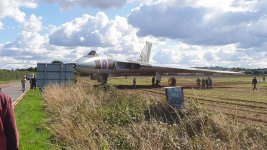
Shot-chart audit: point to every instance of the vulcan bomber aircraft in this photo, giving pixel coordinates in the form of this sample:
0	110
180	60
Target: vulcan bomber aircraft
100	66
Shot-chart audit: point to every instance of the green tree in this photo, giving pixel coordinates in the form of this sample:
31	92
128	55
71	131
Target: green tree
57	62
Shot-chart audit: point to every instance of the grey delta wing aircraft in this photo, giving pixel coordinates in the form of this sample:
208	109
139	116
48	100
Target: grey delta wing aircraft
99	66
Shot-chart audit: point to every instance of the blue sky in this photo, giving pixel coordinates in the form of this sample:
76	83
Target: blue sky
229	33
54	14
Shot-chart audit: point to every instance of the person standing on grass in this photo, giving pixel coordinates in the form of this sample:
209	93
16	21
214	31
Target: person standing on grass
33	82
153	80
198	83
174	81
134	83
23	84
203	83
9	139
207	83
210	82
254	83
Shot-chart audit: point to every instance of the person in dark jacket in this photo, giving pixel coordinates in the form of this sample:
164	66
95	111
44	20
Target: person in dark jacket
134	83
203	81
8	131
173	81
153	80
207	83
198	83
33	82
210	82
254	83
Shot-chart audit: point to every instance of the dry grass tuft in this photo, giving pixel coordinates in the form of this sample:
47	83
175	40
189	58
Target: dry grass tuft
89	118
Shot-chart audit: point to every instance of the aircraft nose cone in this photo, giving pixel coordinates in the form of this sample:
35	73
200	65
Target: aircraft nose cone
84	65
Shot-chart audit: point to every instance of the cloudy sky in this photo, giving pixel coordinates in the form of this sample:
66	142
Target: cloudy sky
228	33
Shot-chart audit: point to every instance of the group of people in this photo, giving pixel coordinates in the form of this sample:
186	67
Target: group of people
201	83
204	83
207	83
32	83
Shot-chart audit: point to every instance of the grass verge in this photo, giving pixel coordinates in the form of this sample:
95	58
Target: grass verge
30	118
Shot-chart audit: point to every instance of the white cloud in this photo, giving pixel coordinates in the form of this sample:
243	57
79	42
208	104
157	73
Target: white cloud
11	8
15	63
28	41
115	36
1	25
203	22
180	54
33	24
31	47
184	55
259	28
97	31
102	4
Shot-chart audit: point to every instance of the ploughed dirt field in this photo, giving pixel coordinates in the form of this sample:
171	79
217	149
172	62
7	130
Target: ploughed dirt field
230	95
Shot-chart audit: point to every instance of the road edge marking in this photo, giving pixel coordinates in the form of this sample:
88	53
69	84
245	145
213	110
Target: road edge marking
19	98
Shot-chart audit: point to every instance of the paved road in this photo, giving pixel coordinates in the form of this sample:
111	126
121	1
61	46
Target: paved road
13	89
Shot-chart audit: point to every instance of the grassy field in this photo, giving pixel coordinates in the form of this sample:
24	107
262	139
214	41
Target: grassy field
225	87
85	116
30	118
231	95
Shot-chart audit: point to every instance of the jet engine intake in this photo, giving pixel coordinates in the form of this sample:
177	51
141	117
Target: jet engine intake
126	66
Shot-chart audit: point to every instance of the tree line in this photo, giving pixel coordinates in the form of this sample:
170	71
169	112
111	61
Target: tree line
258	71
6	75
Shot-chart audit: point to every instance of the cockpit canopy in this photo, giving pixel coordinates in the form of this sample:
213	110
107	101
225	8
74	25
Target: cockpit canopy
92	53
95	53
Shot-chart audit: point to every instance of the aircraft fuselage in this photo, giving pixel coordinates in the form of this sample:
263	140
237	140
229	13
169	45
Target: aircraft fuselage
106	65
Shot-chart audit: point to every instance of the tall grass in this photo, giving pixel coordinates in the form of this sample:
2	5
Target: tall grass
96	118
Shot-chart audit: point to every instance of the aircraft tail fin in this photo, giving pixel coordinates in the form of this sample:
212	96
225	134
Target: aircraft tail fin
145	54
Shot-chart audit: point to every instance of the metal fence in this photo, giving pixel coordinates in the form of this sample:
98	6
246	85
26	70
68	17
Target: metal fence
54	74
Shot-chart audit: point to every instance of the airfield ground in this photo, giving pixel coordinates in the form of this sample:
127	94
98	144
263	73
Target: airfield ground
230	95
